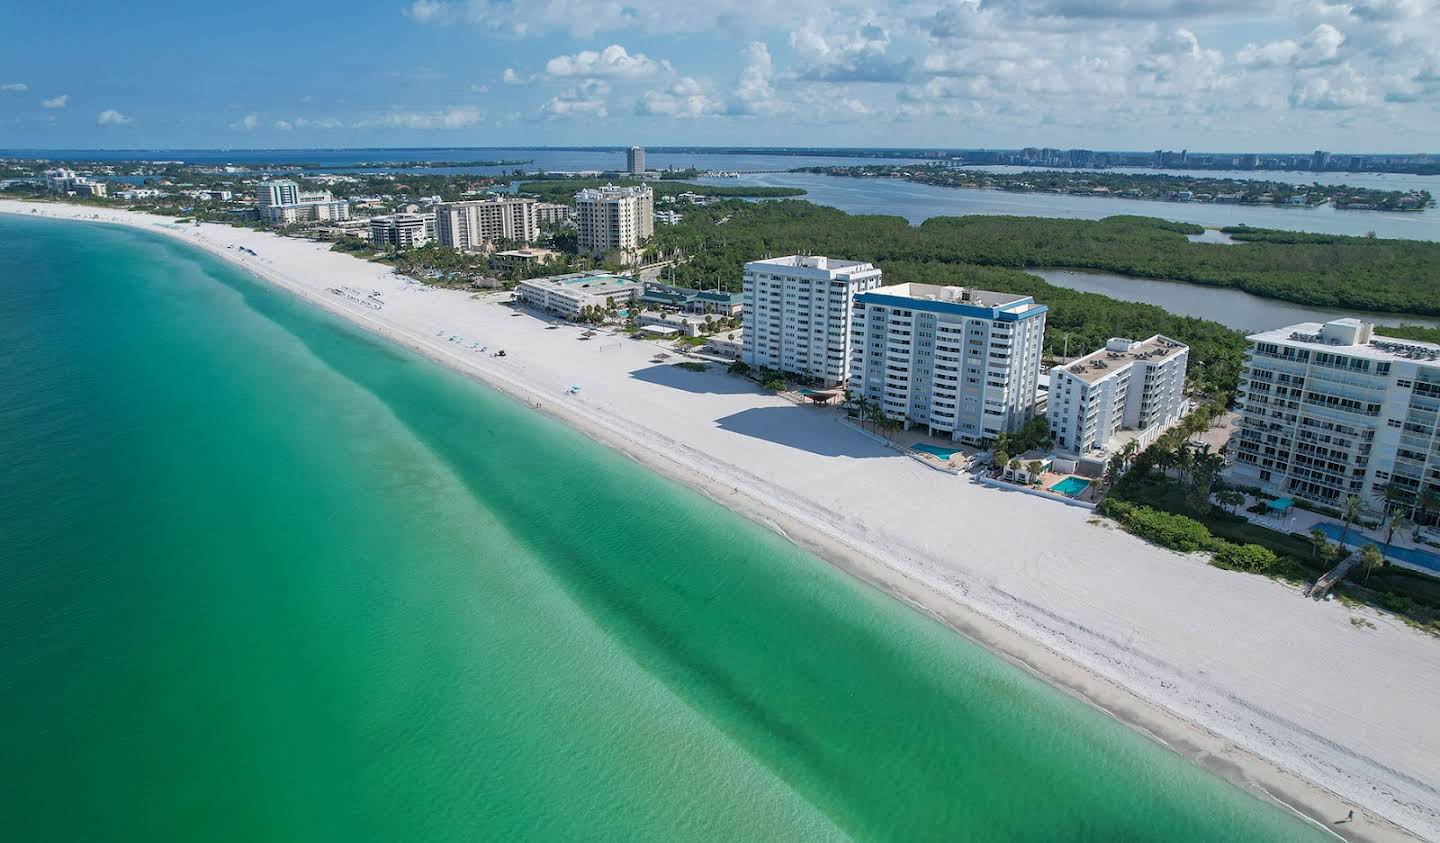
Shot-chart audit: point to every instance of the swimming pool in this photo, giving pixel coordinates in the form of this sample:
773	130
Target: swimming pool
942	453
1071	486
1421	558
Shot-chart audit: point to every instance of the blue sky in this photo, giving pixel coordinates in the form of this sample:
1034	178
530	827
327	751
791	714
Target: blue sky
1132	74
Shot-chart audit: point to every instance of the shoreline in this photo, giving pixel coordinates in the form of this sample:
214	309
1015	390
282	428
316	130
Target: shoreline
867	561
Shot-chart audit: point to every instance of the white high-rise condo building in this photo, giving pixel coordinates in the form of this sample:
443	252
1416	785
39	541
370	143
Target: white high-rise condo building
1334	410
403	231
471	225
796	311
635	161
278	192
614	220
962	363
1125	391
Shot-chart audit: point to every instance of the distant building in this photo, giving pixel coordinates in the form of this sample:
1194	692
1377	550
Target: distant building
614	220
310	207
63	180
962	363
552	213
472	225
404	231
569	295
635	161
139	193
1320	160
1334	410
1125	386
278	192
668	217
796	313
688	324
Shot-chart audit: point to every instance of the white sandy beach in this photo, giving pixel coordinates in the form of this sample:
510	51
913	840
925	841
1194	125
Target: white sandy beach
1239	672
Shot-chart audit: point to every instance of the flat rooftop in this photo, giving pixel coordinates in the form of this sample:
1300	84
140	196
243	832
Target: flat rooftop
578	281
814	262
1376	347
1113	358
955	295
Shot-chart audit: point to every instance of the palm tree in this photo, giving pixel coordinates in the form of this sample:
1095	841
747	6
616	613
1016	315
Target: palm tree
1370	559
1394	522
1352	512
1320	543
1428	503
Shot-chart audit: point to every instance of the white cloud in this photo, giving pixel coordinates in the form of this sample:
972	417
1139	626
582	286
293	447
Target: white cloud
284	125
452	117
1320	46
755	92
247	123
686	98
428	11
15	87
588	99
1336	90
613	62
858	55
111	117
511	77
56	102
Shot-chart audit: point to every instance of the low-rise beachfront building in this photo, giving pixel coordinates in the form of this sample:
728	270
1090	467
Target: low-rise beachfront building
1125	391
961	363
569	295
403	231
317	209
727	344
796	312
1334	410
473	225
614	221
514	259
689	324
717	302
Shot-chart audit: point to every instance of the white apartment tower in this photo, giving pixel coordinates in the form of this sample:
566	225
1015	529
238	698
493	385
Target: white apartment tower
635	161
962	363
797	311
278	192
471	225
1333	410
404	231
614	219
1125	386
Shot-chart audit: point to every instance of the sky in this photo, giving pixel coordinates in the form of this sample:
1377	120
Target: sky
1221	75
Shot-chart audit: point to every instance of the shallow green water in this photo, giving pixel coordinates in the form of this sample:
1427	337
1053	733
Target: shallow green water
263	577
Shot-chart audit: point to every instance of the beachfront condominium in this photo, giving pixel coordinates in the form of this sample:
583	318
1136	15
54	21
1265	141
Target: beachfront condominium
961	363
1126	391
473	225
635	161
796	311
277	192
403	231
1334	410
614	221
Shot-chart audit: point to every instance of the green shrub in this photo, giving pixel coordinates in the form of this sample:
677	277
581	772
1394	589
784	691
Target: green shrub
693	366
1177	532
1251	558
775	384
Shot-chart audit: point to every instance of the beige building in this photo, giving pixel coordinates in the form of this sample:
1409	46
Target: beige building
1131	386
471	225
614	221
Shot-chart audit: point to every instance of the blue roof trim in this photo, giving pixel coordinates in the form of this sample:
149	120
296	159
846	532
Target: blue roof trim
972	310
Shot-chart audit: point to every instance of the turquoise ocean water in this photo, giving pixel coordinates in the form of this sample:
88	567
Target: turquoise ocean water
264	577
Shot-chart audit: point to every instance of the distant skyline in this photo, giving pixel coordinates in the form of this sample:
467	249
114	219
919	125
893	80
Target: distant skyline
1102	74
